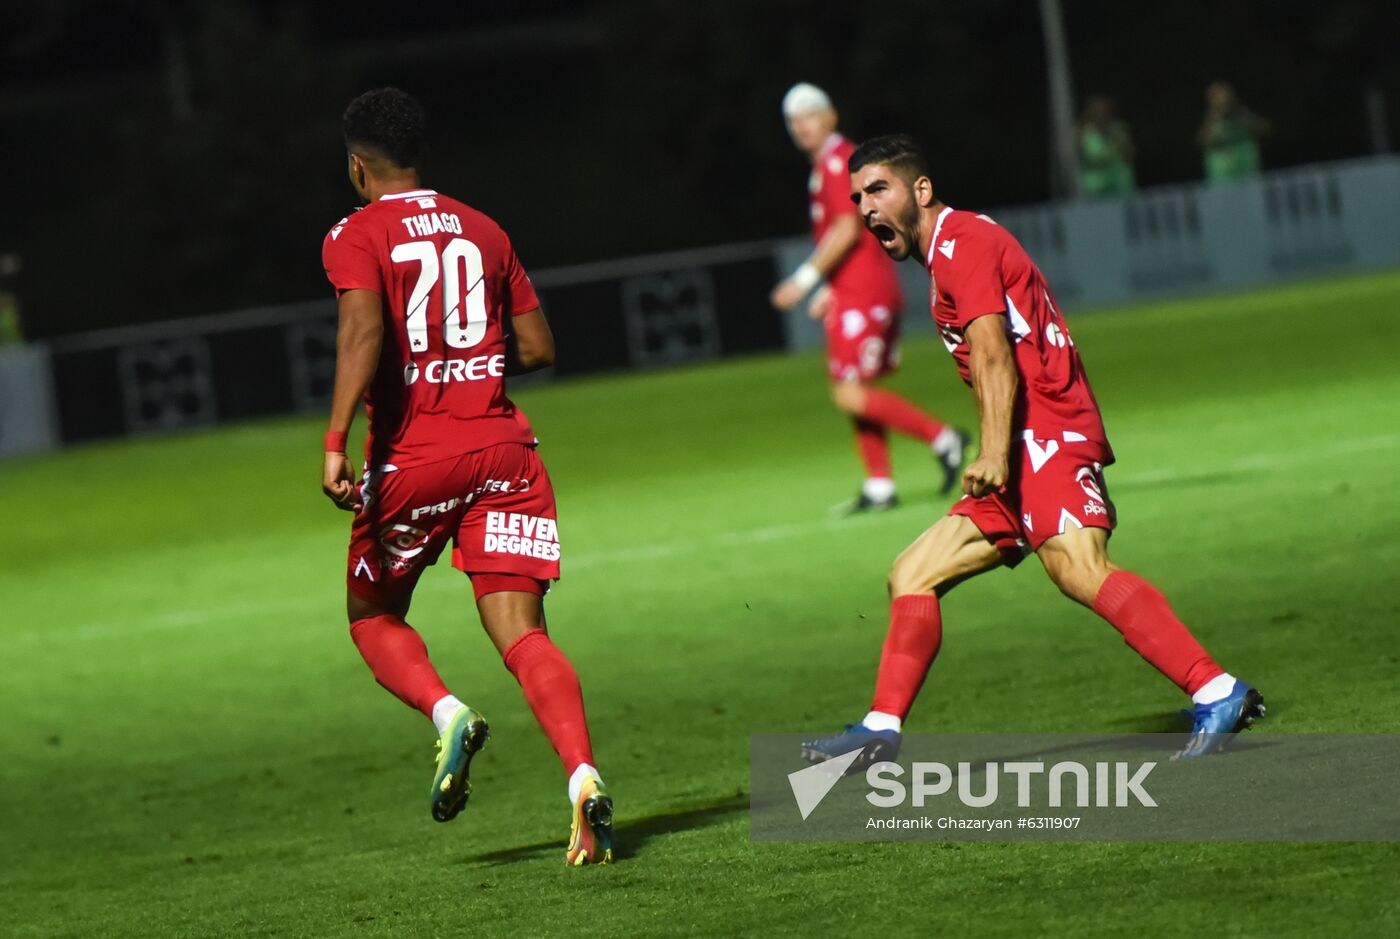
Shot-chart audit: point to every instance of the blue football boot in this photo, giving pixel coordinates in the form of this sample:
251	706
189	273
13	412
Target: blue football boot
1215	725
877	746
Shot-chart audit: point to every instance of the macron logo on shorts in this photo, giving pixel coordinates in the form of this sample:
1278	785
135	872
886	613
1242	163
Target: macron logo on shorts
527	536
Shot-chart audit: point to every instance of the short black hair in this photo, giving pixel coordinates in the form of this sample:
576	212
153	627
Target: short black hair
390	123
897	150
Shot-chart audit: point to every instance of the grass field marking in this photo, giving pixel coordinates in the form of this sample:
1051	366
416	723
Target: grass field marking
1263	461
1253	462
167	621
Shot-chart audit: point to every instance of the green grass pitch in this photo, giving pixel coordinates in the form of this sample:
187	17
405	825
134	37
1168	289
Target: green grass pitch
190	745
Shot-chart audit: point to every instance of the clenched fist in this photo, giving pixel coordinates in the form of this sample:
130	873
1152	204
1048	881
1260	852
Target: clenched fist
985	474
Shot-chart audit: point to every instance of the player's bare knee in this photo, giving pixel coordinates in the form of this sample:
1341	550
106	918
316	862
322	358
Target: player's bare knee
1072	584
942	557
1077	562
1077	577
848	396
901	584
912	574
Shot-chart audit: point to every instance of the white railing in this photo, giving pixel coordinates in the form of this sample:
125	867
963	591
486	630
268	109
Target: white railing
688	306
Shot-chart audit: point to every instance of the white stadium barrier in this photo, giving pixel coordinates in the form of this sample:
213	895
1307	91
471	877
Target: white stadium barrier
28	421
1174	241
692	306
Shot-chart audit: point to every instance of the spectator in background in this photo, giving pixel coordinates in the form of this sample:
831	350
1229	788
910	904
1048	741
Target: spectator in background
11	332
1229	136
1105	150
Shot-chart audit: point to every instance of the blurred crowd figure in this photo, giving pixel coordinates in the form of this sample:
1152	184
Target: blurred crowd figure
1229	136
1105	150
11	330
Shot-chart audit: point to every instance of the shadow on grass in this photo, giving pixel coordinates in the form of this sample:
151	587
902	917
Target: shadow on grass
1161	722
1168	722
1146	730
631	833
1144	741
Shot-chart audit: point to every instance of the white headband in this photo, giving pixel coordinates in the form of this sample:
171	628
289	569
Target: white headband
804	97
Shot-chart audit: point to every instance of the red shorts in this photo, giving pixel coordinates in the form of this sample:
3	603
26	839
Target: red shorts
496	506
1054	485
862	343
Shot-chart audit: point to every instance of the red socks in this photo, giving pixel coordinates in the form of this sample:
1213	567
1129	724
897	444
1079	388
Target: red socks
916	630
874	448
1140	612
890	410
398	658
552	690
1134	607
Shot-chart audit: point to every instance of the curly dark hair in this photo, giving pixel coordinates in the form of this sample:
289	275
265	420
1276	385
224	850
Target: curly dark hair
896	150
389	123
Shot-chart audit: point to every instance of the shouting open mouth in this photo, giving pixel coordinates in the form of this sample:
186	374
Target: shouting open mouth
885	234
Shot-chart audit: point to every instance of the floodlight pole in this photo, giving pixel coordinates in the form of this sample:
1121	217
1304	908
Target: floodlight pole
1064	180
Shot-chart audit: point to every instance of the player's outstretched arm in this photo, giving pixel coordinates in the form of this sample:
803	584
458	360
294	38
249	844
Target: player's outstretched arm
529	344
838	241
994	382
357	345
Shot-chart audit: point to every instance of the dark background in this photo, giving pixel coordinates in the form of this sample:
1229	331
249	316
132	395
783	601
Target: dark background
167	159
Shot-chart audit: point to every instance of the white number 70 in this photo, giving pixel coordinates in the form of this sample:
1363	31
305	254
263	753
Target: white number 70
458	251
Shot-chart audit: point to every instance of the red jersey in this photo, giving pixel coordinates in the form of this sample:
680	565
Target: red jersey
977	268
866	277
448	278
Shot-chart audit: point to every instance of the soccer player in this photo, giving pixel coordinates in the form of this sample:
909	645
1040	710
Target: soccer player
859	306
435	311
1037	483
